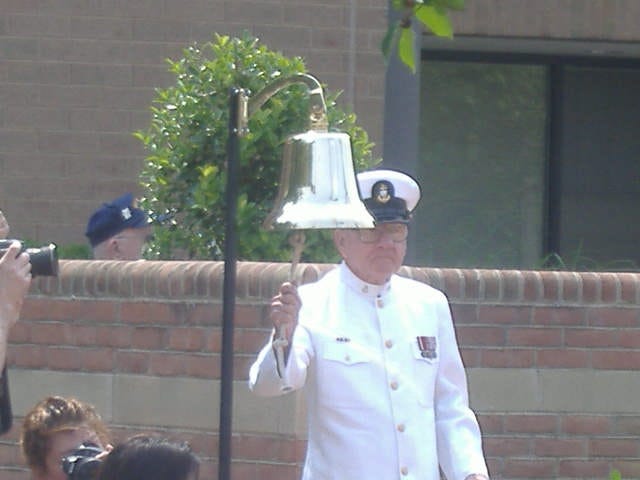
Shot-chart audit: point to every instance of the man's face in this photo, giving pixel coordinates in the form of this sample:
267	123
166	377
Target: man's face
61	444
130	243
373	254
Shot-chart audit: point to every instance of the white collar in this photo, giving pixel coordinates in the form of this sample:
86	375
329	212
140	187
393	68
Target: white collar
366	289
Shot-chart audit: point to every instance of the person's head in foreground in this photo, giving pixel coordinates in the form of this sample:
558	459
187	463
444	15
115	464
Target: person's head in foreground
377	253
55	427
118	230
145	457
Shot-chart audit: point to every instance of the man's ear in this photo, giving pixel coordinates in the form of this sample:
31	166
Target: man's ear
114	248
339	241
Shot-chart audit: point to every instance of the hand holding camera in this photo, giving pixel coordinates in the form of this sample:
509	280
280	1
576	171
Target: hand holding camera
43	260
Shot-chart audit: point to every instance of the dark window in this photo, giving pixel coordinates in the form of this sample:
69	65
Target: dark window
526	164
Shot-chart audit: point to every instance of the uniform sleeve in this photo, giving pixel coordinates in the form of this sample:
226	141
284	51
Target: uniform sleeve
264	379
459	437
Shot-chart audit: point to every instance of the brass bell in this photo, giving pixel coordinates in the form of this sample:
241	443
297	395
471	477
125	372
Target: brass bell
318	187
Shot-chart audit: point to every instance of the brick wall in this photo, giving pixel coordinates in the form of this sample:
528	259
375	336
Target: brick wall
551	357
78	77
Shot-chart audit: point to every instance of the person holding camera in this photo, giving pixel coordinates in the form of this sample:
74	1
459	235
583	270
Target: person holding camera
54	430
118	230
150	457
15	279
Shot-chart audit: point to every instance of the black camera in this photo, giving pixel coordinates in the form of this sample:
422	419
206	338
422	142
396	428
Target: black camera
44	260
82	464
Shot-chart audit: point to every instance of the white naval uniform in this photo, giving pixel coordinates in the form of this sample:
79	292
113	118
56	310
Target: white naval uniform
377	404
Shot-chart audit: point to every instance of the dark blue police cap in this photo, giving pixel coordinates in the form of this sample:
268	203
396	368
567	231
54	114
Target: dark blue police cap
113	217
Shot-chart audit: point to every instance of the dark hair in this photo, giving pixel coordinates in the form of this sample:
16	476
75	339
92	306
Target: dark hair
149	457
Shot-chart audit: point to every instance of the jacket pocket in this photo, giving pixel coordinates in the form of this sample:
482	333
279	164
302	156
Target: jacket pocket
346	374
425	366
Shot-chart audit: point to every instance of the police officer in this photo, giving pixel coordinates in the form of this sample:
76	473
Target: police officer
118	230
377	356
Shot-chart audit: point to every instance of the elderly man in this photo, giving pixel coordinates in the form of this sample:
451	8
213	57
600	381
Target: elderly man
377	356
118	230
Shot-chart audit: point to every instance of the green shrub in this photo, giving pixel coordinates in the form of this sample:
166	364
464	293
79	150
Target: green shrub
185	173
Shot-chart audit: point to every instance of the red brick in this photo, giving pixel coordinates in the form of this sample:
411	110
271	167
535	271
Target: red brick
591	287
471	357
464	314
614	447
552	315
615	360
591	337
479	336
563	447
491	424
532	286
629	468
141	312
586	424
508	358
471	284
533	468
505	315
531	423
63	358
454	283
550	286
201	366
507	447
584	469
629	287
96	360
613	317
131	362
248	316
187	339
147	338
563	358
539	337
610	287
512	286
167	364
627	425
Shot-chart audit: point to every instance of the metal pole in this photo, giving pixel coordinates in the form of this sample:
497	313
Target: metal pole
229	289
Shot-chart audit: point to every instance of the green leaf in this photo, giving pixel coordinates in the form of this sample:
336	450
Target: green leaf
435	19
451	4
389	40
615	475
405	48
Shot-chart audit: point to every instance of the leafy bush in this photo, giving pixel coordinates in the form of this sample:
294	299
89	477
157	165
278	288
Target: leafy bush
185	171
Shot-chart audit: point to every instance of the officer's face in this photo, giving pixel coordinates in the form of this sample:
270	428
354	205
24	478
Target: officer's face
376	254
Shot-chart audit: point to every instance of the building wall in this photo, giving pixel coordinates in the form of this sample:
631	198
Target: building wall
551	359
77	78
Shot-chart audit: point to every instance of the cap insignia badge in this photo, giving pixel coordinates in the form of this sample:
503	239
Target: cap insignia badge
382	191
126	213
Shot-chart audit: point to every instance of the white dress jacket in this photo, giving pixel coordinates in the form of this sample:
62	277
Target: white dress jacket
385	387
